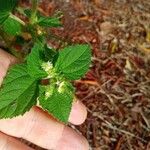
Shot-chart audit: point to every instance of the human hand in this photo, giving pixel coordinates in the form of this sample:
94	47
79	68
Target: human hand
37	126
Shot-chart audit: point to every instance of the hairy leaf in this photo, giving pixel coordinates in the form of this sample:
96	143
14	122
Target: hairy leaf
6	6
49	21
12	26
74	61
18	92
34	62
58	104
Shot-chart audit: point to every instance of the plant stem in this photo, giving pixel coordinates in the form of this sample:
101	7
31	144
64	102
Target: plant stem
17	19
34	11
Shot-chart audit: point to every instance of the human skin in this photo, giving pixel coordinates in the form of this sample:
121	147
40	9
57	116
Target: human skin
37	126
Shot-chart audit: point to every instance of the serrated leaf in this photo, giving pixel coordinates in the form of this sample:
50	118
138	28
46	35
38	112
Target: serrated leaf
18	92
49	21
58	104
34	61
6	6
74	61
12	26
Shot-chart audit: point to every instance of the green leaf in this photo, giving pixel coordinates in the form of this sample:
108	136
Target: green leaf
27	12
49	21
18	92
58	104
50	53
12	26
6	6
45	21
74	61
34	61
3	16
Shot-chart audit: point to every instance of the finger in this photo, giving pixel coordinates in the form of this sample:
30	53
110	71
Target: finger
40	129
70	141
78	113
10	143
6	59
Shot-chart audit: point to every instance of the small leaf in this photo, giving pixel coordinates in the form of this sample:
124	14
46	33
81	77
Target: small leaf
27	12
45	21
50	53
49	21
18	92
58	104
74	61
6	6
34	61
12	26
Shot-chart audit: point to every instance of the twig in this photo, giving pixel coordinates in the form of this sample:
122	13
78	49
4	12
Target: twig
109	125
144	118
125	132
108	96
88	82
129	143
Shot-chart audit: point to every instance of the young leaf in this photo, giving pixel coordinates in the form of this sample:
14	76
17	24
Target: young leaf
6	6
58	104
74	61
27	12
34	62
50	53
45	21
12	26
49	21
18	92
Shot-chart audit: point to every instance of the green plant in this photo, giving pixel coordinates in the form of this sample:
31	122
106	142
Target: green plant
23	85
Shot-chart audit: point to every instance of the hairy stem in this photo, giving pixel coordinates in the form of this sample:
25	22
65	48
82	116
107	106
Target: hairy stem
34	11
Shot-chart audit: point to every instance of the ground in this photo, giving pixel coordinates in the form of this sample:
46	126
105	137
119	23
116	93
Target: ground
116	90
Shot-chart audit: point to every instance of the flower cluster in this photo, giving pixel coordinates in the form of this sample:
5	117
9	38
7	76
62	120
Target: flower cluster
53	75
49	69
